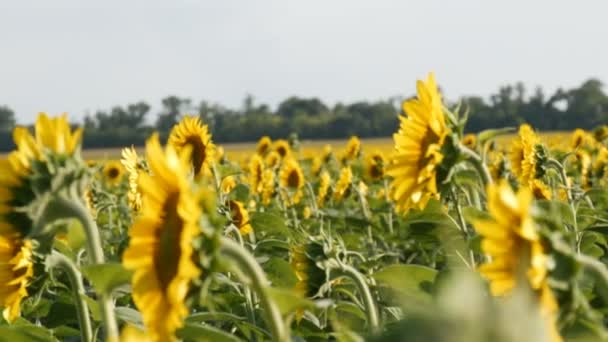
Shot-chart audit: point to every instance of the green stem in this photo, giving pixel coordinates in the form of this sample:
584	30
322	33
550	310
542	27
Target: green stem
478	163
75	278
557	166
368	301
61	207
247	264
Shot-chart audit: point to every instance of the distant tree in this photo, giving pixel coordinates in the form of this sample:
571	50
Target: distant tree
7	119
173	107
294	105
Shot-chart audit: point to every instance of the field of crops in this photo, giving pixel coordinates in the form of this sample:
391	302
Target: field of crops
432	235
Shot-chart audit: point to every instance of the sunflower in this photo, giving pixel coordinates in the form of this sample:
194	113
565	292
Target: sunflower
240	217
315	167
353	148
584	165
113	172
160	247
130	160
191	133
327	153
228	183
516	254
324	183
268	186
497	165
470	141
580	138
264	145
219	154
273	158
523	155
282	148
306	212
51	135
292	177
540	190
309	276
256	168
418	148
343	184
374	166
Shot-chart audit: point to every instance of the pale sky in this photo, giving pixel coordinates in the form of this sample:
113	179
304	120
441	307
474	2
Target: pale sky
76	56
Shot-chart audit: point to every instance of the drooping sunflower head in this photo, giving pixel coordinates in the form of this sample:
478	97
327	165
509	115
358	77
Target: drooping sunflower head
256	168
228	183
353	149
113	172
240	217
342	188
418	145
264	145
470	141
601	133
579	138
324	183
16	271
310	277
282	147
160	246
273	158
523	155
374	168
192	134
291	175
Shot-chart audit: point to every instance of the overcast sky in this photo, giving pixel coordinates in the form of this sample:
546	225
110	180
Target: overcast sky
76	56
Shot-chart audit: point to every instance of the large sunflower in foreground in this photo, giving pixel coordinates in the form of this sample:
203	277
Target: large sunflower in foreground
418	148
516	254
160	246
523	155
191	133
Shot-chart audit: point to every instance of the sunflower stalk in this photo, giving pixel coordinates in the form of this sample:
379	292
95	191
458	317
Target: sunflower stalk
60	207
247	264
368	301
59	260
477	163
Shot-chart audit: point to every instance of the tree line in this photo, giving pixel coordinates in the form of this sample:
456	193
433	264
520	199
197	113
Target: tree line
585	107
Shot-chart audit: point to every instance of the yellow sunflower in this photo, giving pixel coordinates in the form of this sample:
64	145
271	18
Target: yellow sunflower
324	183
282	147
343	184
256	169
160	246
51	135
291	177
353	148
130	160
374	166
327	153
113	172
523	155
228	183
584	165
470	141
580	138
268	186
540	190
273	158
240	217
418	148
264	145
516	254
192	134
316	165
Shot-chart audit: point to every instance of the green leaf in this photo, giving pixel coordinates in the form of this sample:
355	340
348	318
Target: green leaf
128	315
22	330
288	300
204	333
240	193
280	272
410	282
269	224
472	214
106	277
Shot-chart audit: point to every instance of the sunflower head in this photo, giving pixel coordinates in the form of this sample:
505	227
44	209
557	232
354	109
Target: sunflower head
113	172
353	149
264	145
579	138
310	277
56	135
523	155
268	186
327	153
273	158
240	217
228	183
418	145
374	168
601	133
342	188
470	141
132	163
540	190
256	169
324	183
282	147
315	167
291	175
16	270
160	251
190	134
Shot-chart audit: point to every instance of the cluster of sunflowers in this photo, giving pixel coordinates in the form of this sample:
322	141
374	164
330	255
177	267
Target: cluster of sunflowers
447	238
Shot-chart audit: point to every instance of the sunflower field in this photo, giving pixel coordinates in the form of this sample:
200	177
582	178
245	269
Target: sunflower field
446	237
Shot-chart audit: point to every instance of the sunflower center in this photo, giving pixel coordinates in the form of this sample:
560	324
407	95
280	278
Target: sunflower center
167	256
282	150
113	173
429	139
199	153
293	179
